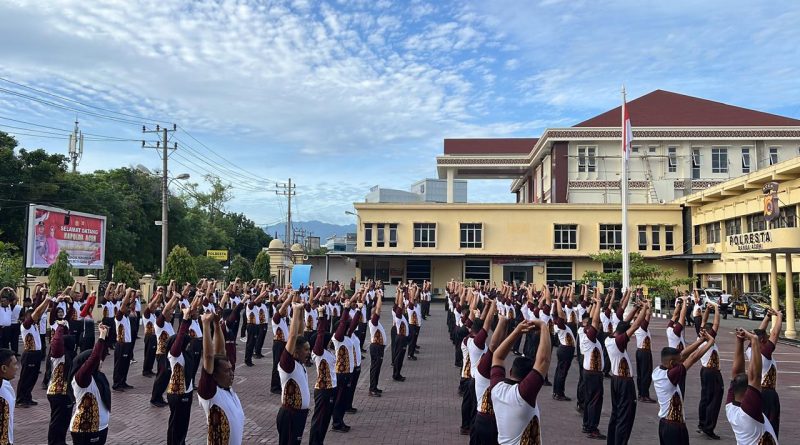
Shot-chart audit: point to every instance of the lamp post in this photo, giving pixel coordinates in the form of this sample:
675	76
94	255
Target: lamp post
165	181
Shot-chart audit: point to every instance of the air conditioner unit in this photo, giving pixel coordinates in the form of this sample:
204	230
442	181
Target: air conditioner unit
711	249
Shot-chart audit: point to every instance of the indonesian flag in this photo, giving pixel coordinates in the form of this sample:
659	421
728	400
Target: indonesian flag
627	133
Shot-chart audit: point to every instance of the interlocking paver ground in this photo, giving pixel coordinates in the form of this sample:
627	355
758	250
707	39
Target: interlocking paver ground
423	410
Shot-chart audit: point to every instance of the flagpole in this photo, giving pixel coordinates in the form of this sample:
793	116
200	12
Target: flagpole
626	262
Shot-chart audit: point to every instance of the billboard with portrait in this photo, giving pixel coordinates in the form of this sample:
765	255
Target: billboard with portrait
51	230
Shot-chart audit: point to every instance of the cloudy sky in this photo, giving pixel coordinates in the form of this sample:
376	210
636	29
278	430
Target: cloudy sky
341	95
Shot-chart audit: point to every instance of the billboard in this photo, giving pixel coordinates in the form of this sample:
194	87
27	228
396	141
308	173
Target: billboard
219	255
51	230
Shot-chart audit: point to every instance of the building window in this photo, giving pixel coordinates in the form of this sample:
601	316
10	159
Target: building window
565	236
376	270
719	160
786	218
472	235
695	163
756	222
745	159
612	267
696	235
712	233
642	237
773	155
758	281
669	238
655	234
424	235
610	236
367	235
392	235
418	270
587	161
380	241
733	226
652	149
559	271
672	159
635	149
477	270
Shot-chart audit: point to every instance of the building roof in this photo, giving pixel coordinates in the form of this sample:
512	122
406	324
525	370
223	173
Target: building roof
667	109
483	146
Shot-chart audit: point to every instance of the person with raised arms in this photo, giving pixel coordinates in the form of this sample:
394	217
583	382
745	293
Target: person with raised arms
89	423
31	359
769	367
711	386
164	331
279	333
377	345
484	428
295	394
181	382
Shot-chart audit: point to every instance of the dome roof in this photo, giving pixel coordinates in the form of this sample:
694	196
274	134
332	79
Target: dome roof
276	244
297	247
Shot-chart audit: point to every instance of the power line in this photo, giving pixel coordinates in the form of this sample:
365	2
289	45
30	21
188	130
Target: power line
224	159
68	108
60	129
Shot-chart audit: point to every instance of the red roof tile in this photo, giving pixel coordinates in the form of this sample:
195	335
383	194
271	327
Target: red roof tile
667	109
493	146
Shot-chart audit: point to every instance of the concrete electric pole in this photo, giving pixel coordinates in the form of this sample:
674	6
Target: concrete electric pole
163	145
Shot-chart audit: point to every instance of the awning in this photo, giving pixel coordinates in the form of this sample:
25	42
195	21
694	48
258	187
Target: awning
691	257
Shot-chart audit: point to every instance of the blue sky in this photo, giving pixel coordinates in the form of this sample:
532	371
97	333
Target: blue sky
342	95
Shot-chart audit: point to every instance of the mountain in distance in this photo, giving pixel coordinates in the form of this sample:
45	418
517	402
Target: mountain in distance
317	228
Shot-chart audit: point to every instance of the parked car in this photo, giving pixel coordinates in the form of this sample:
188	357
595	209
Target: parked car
751	305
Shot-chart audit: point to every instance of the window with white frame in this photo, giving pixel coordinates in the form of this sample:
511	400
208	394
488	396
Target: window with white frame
642	237
745	159
392	235
610	236
635	149
367	235
733	226
719	160
472	235
669	238
381	238
655	237
756	222
587	159
565	236
672	159
424	234
695	163
713	232
581	159
773	155
652	149
477	270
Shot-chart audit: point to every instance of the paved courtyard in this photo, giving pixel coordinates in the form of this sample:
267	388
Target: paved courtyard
423	410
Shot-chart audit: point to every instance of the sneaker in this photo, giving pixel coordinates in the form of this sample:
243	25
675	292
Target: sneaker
134	361
547	383
118	389
374	394
148	374
379	391
412	358
243	339
158	403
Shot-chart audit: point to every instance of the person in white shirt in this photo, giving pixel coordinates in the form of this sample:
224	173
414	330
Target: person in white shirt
593	364
769	367
89	423
8	372
295	394
711	385
325	385
514	396
31	359
744	406
724	300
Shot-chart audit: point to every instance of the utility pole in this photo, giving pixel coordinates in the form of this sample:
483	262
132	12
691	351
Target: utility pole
163	145
288	190
75	146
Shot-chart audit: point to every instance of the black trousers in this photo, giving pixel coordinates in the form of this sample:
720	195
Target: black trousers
531	344
340	402
122	363
111	340
291	423
593	397
87	335
461	333
511	326
484	431
98	438
711	391
277	350
564	354
180	412
361	333
196	349
76	330
469	404
375	362
771	407
250	346
426	308
262	335
644	371
580	394
162	378
5	337
60	413
134	332
393	346
150	344
323	410
15	331
30	364
623	410
399	354
672	433
412	345
698	321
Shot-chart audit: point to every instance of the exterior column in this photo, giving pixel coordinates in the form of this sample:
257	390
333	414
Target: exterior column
773	281
789	315
451	174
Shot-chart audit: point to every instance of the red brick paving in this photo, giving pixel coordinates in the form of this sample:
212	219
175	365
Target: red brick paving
423	410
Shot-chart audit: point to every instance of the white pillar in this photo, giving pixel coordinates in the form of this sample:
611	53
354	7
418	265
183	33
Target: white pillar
451	173
773	281
789	315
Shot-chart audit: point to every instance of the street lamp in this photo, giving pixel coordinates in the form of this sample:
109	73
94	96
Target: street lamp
165	182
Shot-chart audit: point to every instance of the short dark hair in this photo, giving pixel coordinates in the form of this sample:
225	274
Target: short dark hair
521	367
5	356
760	332
709	326
740	384
477	325
622	326
668	352
300	341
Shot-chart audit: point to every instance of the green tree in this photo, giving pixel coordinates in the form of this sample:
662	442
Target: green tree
240	267
60	273
124	272
180	267
11	269
261	267
659	280
208	267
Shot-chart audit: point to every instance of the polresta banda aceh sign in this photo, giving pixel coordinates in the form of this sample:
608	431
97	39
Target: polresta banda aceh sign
747	242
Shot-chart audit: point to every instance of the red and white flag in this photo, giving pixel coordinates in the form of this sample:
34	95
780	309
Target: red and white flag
627	133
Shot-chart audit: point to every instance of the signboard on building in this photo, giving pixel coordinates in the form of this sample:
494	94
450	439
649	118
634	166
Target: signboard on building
771	202
51	230
749	242
219	255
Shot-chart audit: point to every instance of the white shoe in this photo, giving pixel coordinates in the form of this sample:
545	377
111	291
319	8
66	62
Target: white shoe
243	339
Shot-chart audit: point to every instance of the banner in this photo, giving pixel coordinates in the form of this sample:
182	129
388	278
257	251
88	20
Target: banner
771	202
51	230
219	255
301	275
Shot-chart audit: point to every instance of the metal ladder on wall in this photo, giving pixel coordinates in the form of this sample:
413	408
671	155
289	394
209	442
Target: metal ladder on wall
652	196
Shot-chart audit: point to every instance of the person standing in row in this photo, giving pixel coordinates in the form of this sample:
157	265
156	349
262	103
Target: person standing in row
564	353
31	360
8	372
400	342
295	395
60	397
711	385
230	320
377	345
164	331
181	383
123	349
356	314
644	358
769	367
675	331
89	423
253	322
593	365
150	340
279	333
468	401
484	428
86	340
345	363
325	386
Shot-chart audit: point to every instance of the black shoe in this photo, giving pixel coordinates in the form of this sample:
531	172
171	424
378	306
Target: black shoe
379	391
259	356
126	386
158	403
275	391
547	383
118	389
585	430
464	431
596	435
148	374
399	378
411	357
711	435
351	410
374	394
249	364
340	428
